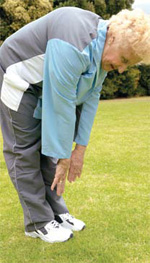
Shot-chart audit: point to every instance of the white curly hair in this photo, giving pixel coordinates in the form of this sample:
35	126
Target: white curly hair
132	28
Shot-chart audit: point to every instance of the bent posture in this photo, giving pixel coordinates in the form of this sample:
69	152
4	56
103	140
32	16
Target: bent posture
52	72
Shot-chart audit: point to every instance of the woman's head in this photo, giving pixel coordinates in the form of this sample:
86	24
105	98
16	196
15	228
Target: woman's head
128	40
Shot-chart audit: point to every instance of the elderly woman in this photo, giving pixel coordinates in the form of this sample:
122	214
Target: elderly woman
52	70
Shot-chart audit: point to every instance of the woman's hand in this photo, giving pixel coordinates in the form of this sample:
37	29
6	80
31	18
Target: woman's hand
72	167
60	175
76	163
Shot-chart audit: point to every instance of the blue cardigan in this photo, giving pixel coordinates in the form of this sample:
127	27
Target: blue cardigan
71	78
63	50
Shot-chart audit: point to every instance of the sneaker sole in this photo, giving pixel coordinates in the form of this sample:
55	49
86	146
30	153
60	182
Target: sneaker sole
71	236
37	236
79	229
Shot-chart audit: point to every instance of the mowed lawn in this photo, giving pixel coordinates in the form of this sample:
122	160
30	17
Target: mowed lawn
112	196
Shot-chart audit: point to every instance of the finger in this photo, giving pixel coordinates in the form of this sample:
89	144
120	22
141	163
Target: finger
73	173
71	176
55	182
79	175
60	187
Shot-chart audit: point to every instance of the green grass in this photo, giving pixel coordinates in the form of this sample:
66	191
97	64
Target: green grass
112	196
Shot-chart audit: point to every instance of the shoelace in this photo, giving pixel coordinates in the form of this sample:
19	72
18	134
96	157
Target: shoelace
54	224
68	216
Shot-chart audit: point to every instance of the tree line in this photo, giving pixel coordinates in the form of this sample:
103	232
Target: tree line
16	13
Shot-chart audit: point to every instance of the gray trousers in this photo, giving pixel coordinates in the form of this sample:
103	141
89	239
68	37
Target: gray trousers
31	172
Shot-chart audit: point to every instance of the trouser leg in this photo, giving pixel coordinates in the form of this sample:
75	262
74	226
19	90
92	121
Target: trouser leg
48	168
22	145
22	154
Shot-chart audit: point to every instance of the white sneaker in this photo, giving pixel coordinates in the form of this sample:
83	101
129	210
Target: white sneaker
51	233
69	222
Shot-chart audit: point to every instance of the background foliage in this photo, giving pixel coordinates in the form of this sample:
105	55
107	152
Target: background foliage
17	13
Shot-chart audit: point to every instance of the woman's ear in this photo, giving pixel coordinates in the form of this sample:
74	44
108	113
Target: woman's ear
111	40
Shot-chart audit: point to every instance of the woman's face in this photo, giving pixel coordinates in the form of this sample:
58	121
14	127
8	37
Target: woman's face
117	56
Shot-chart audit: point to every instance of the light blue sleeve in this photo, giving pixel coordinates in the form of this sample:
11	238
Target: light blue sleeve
87	116
88	112
63	65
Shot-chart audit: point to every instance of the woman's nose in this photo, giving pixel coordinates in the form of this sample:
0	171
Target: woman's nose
121	69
